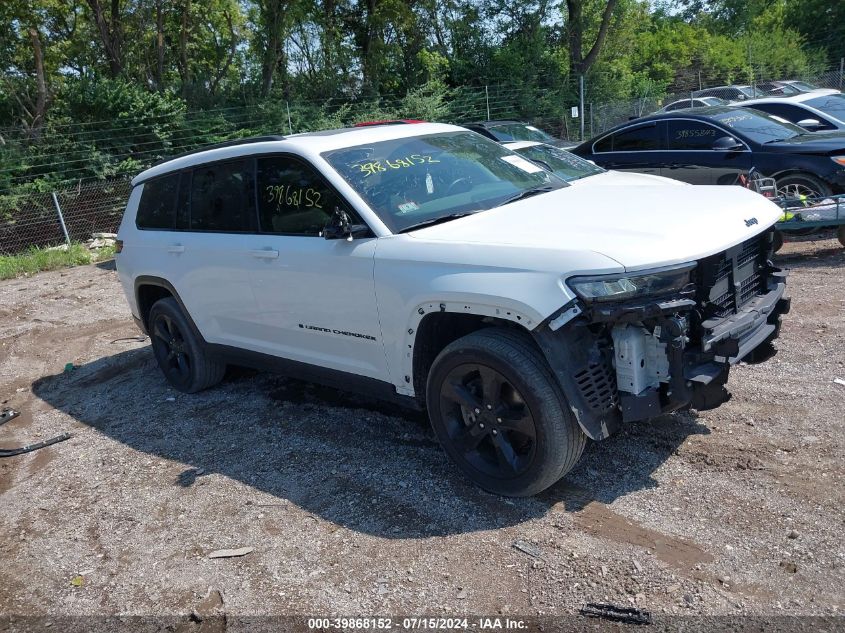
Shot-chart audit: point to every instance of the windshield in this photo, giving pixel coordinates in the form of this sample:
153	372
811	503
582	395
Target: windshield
834	105
560	162
757	126
519	132
748	91
423	179
803	85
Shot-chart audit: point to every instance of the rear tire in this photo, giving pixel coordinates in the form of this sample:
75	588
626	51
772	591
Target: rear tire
840	234
500	415
179	351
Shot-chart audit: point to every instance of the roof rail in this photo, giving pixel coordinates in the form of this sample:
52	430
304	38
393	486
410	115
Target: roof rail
232	143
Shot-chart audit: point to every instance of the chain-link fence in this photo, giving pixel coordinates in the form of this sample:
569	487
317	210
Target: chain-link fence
54	218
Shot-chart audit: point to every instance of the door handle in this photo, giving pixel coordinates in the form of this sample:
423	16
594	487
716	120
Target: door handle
176	248
265	254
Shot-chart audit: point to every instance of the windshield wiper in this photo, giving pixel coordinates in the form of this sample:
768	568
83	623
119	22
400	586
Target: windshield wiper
433	221
527	193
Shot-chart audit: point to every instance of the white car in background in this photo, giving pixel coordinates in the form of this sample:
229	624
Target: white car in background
580	172
693	102
434	267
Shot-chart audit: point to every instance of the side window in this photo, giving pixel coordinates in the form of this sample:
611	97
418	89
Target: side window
157	207
604	145
636	139
692	135
222	197
293	198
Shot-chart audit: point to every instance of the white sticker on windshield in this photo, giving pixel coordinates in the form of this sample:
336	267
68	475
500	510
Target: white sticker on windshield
429	184
532	128
525	165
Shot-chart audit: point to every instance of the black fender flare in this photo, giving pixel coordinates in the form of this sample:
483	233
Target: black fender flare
151	280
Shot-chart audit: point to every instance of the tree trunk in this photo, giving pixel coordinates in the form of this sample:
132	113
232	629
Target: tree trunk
369	66
40	110
329	34
579	63
274	19
184	33
159	73
111	34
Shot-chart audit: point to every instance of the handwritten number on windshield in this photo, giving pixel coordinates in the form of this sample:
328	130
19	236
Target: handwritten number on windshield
376	166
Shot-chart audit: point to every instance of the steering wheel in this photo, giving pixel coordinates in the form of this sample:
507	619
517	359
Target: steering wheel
463	180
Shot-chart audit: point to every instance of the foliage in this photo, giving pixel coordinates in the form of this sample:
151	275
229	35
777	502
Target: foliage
93	89
39	259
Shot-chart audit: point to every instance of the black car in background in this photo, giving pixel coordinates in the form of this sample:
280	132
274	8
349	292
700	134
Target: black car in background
713	146
507	131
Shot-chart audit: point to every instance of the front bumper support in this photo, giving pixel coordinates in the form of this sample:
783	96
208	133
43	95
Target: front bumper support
580	355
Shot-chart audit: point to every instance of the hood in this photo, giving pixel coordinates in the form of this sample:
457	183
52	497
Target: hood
624	178
811	143
638	226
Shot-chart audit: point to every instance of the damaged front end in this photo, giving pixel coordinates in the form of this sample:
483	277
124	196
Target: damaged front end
635	346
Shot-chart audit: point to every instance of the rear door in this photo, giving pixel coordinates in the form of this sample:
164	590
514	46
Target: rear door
316	296
691	157
209	255
636	148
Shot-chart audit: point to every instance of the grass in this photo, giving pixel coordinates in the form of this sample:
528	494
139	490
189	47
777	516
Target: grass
38	259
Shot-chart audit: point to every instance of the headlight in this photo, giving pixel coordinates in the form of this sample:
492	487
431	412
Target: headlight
839	160
647	283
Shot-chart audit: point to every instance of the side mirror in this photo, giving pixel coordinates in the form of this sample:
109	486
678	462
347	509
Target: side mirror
339	227
810	124
727	144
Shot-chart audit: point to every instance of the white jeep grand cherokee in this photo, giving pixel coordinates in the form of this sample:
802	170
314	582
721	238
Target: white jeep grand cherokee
426	264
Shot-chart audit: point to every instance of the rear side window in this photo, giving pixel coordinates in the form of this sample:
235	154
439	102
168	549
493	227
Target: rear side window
222	198
692	135
293	198
604	145
157	208
636	139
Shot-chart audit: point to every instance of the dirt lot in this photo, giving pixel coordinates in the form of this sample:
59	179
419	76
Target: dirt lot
352	508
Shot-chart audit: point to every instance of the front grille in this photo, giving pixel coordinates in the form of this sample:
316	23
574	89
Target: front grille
728	280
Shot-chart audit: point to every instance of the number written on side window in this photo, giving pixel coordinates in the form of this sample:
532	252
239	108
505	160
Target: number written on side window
157	207
285	195
692	135
294	199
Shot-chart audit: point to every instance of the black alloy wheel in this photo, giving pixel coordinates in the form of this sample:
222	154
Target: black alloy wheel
500	414
170	349
488	420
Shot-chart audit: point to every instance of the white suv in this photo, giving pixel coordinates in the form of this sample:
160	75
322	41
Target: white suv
427	264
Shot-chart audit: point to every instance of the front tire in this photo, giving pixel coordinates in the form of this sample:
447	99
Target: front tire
179	351
500	415
800	187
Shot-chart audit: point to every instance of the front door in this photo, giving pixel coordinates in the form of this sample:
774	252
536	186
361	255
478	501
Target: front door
316	297
690	156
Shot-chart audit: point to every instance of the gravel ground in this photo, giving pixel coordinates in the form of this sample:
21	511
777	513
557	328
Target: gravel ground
351	508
